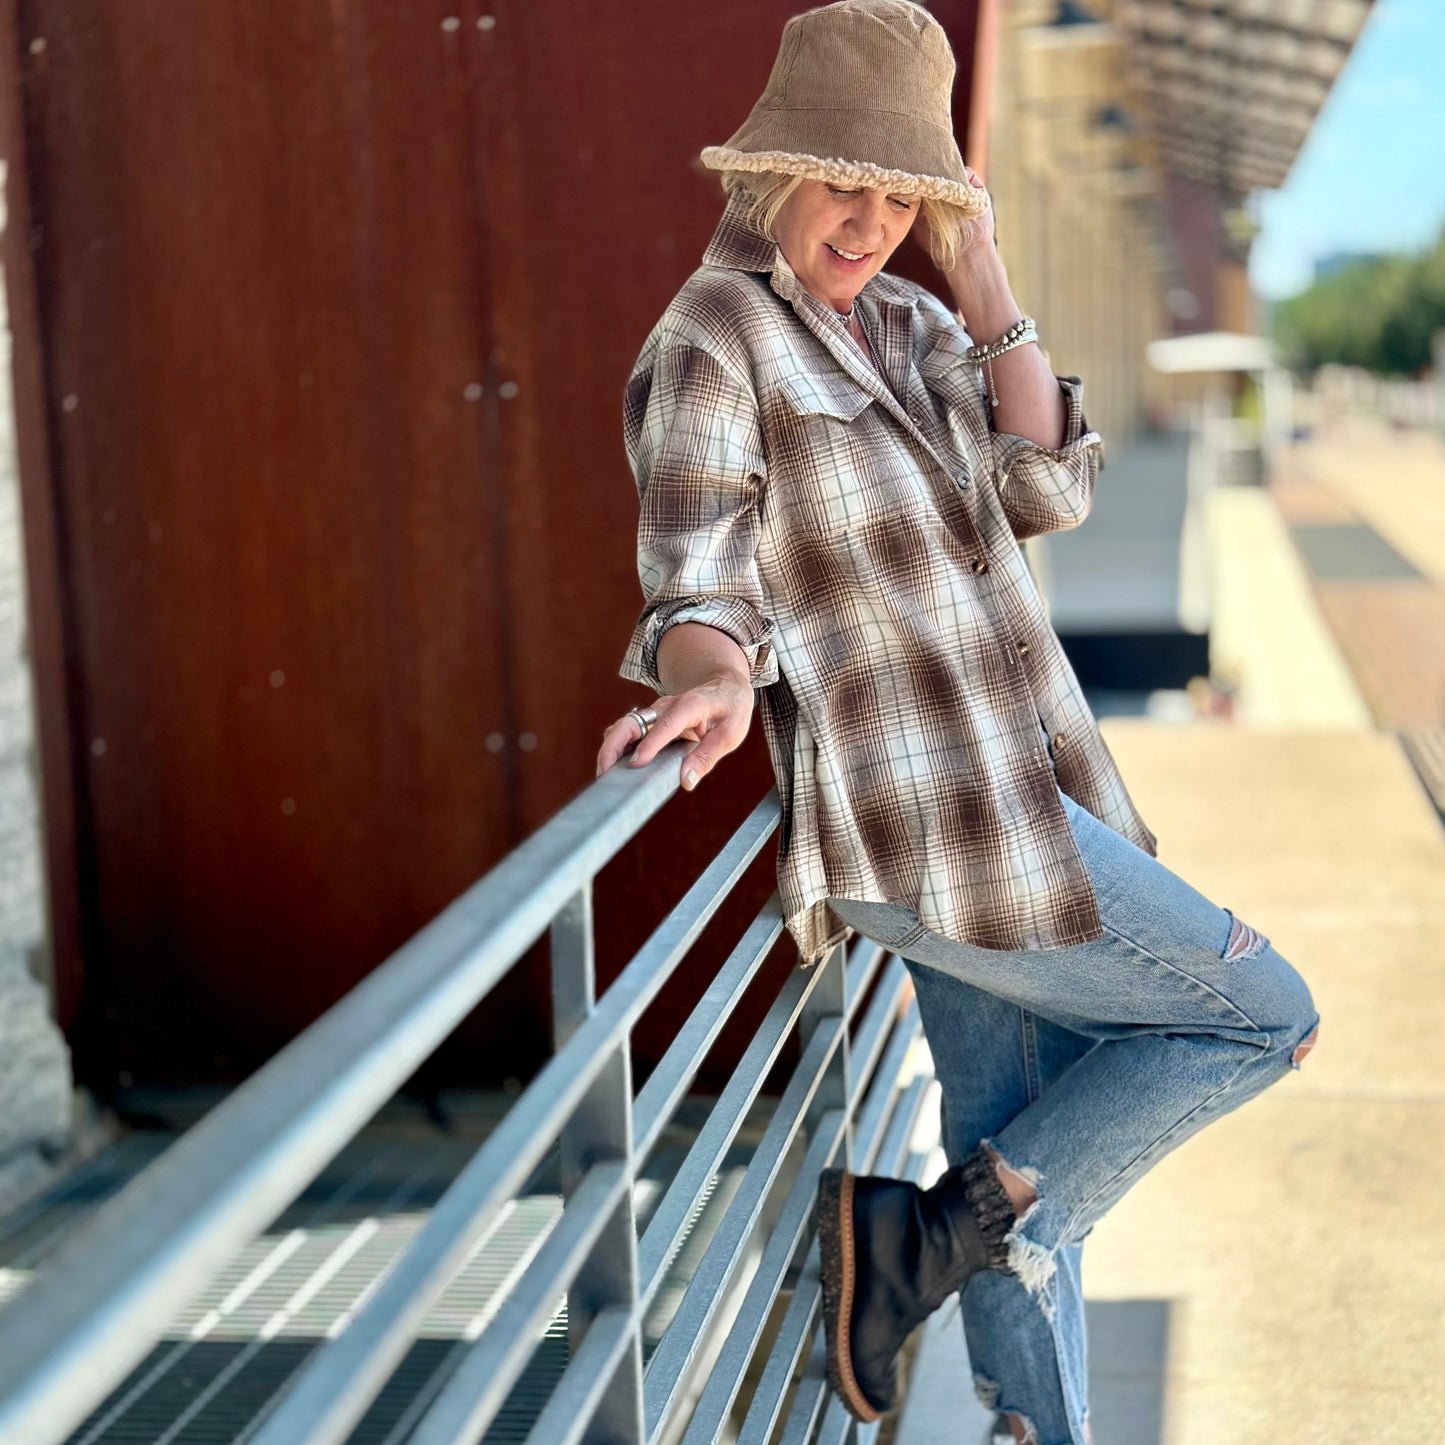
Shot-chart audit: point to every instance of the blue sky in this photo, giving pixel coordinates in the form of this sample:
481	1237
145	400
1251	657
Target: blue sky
1371	175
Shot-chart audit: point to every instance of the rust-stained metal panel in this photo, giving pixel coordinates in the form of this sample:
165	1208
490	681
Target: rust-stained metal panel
601	214
335	307
264	296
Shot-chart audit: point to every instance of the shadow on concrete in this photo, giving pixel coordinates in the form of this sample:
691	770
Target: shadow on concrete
1128	1351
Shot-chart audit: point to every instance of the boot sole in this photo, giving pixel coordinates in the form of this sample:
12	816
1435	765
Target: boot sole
835	1257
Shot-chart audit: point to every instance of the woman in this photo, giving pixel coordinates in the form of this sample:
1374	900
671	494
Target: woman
834	481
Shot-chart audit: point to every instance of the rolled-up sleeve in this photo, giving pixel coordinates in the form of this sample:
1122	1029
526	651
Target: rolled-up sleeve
1049	489
695	444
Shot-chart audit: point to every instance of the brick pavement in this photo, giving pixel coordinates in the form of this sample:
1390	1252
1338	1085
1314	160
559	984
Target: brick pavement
1394	480
1391	629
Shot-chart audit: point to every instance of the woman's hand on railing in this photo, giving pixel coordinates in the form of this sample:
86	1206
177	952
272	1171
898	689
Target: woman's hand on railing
714	715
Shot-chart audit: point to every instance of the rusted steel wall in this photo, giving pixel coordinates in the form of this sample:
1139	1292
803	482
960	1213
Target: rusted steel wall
332	307
1196	218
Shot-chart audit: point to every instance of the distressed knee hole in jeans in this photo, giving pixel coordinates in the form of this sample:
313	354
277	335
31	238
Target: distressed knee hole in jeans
1246	942
1243	941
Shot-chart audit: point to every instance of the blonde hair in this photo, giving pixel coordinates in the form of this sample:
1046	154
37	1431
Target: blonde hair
764	194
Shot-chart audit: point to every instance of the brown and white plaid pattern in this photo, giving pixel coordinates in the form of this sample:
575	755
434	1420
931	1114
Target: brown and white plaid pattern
856	534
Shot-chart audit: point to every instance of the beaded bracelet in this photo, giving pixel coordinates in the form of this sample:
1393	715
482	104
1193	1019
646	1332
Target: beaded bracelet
1020	333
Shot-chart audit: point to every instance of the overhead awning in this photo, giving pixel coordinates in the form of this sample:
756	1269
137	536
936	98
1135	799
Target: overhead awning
1234	85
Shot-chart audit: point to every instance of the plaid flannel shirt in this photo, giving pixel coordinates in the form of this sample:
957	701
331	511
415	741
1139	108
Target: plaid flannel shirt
855	530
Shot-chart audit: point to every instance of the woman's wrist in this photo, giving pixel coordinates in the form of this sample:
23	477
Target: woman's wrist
694	654
982	293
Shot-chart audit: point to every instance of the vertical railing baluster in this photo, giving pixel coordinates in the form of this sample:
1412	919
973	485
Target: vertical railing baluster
829	1000
599	1129
574	973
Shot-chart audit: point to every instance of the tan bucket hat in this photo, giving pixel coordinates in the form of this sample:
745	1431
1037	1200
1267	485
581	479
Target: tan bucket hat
858	96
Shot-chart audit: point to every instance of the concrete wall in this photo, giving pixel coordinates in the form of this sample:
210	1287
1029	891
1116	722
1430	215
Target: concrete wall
35	1088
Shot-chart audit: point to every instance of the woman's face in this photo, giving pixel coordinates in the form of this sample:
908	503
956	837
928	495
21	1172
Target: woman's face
819	221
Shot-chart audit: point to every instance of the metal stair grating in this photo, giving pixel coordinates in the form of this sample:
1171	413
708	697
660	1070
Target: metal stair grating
229	1354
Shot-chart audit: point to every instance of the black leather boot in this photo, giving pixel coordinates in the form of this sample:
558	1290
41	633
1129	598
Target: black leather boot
891	1253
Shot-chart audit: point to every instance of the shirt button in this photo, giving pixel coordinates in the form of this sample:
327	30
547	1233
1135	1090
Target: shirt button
1058	740
1023	647
979	565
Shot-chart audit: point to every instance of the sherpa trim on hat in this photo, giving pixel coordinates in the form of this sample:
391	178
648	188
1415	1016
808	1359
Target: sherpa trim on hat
859	95
838	172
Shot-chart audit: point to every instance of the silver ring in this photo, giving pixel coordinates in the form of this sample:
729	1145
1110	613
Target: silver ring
641	717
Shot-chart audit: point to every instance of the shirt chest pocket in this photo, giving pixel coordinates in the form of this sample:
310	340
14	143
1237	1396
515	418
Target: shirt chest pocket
838	465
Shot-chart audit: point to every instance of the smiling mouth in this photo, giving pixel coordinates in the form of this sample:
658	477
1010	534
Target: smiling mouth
848	255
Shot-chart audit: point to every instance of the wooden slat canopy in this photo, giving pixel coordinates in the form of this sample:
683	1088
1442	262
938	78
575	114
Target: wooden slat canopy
1234	85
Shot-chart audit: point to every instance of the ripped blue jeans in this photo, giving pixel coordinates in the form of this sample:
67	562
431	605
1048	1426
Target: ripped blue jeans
1081	1068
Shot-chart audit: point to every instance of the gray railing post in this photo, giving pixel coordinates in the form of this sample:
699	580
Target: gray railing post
829	1000
574	973
600	1130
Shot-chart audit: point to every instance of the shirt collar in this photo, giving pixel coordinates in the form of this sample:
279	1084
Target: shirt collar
737	245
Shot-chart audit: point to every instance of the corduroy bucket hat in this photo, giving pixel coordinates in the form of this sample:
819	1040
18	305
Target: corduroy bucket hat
858	96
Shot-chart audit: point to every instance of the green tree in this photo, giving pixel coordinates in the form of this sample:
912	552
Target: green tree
1377	314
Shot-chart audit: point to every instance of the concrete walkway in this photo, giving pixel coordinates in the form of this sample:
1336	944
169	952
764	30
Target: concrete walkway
1280	1276
1300	1242
1268	638
1366	508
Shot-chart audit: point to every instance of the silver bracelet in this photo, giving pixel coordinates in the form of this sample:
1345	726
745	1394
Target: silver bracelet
1020	333
1010	338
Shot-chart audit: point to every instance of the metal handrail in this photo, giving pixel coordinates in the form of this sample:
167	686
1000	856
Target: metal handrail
108	1296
